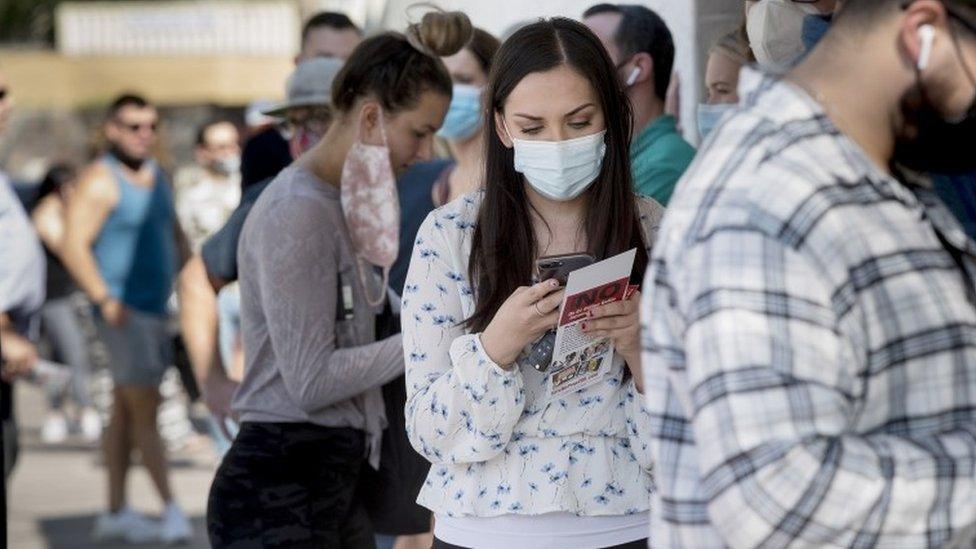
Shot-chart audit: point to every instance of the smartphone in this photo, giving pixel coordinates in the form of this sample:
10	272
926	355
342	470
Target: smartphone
541	354
559	266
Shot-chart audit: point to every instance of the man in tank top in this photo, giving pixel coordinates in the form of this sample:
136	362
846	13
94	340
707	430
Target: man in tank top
122	247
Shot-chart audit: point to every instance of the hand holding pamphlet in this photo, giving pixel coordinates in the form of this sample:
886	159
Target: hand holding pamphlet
581	360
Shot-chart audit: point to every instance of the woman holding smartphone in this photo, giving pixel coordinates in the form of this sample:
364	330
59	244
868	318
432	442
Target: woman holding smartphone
513	467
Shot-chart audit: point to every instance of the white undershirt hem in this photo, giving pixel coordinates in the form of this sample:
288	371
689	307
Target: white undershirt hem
551	530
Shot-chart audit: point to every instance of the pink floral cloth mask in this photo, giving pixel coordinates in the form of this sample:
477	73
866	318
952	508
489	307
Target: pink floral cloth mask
371	207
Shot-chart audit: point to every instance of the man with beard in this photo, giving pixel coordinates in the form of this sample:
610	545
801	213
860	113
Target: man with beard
810	312
122	244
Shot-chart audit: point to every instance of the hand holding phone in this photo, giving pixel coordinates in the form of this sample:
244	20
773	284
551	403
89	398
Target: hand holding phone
559	266
555	267
525	316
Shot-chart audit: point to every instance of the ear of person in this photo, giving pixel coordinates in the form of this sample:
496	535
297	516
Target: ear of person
645	63
369	122
502	130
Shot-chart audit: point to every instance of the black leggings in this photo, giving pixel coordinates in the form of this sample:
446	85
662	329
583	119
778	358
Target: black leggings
290	485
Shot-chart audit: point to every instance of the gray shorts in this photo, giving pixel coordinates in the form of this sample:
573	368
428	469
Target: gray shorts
139	350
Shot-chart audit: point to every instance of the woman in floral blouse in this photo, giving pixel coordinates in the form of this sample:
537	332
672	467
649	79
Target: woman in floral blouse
513	467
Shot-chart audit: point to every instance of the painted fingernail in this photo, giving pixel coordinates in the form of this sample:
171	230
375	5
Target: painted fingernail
584	326
589	313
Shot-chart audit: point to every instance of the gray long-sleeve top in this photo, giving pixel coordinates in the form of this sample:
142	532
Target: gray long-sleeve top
307	328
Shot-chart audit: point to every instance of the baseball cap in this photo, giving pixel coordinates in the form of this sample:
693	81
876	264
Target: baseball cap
309	86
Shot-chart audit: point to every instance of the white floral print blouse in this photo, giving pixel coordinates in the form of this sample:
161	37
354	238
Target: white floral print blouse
496	444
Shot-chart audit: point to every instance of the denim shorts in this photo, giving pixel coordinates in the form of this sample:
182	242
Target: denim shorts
139	350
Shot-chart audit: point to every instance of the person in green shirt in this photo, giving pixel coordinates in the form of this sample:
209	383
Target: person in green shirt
641	46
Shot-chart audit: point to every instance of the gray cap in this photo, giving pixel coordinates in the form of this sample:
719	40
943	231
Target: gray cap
310	85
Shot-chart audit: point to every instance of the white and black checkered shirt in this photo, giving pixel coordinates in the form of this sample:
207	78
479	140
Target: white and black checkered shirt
810	345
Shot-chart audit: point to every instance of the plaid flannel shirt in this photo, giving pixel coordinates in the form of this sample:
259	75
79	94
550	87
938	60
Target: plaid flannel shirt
810	345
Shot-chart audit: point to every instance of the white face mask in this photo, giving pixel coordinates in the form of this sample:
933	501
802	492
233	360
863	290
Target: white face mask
560	170
775	30
227	166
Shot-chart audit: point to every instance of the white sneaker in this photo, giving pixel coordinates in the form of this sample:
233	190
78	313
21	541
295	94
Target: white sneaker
126	525
91	425
176	527
55	429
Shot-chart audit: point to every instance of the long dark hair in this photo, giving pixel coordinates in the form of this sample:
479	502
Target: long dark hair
504	246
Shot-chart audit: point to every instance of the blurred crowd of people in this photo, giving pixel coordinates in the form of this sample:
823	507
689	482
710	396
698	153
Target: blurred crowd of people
352	282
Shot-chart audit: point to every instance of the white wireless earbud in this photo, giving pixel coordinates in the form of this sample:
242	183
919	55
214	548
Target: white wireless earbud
633	76
926	33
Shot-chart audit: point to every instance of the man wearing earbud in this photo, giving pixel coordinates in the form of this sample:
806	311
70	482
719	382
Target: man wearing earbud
641	47
810	309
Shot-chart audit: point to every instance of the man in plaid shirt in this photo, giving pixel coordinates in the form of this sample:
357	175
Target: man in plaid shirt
810	313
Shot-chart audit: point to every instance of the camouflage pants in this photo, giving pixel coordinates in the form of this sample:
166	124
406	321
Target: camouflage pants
290	485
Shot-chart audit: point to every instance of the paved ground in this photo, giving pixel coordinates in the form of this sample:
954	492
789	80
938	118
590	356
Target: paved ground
56	491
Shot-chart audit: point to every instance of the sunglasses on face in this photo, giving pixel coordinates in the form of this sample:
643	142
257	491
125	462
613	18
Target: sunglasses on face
316	121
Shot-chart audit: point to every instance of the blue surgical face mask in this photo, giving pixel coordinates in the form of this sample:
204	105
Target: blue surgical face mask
463	118
561	170
814	28
710	115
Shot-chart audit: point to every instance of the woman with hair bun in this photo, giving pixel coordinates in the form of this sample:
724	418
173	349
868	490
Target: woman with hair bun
310	403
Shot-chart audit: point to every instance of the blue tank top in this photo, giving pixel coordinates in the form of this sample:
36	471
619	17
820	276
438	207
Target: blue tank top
136	249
